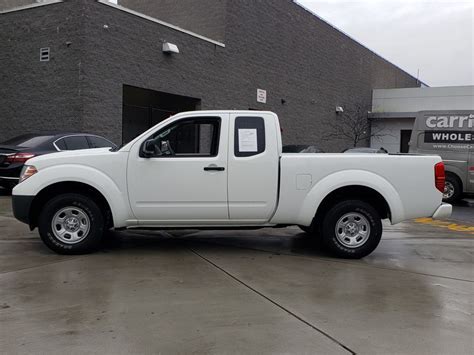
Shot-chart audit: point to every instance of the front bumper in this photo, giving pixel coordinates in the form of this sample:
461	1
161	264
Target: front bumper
21	207
444	211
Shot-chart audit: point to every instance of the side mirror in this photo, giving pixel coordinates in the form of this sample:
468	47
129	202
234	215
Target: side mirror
148	149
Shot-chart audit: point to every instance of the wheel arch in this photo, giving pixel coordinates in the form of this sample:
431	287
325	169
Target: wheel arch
113	190
70	187
363	185
354	192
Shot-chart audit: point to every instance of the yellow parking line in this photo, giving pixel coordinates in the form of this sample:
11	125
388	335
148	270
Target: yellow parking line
447	224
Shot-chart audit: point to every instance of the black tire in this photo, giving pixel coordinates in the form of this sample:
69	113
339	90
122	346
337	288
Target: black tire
456	193
92	238
357	209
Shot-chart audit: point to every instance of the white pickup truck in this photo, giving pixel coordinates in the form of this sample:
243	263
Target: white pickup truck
224	169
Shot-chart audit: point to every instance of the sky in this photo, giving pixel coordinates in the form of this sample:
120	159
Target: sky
431	37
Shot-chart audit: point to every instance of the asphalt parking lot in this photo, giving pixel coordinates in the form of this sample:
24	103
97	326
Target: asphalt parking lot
267	291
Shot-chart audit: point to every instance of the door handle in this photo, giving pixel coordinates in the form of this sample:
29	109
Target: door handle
214	168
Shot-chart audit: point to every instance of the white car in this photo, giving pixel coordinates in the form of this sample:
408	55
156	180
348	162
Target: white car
224	169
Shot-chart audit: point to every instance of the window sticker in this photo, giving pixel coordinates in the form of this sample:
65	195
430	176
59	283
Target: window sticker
248	140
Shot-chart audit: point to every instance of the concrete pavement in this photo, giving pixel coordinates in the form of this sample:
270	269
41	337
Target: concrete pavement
267	291
463	210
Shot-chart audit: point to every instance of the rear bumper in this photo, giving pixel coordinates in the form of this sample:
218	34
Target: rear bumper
21	206
10	175
443	211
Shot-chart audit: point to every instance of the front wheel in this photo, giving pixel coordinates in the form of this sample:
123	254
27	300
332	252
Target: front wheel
71	224
351	229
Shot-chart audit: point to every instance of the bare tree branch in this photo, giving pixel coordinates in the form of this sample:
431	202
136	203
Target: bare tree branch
354	125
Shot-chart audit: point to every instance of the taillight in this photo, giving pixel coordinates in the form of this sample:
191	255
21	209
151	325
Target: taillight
19	157
440	176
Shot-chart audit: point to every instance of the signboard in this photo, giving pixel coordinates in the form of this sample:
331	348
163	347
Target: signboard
449	137
451	121
448	131
262	96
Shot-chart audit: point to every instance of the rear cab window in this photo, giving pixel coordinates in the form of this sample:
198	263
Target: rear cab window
249	136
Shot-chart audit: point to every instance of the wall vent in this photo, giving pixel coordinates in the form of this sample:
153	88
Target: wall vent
44	54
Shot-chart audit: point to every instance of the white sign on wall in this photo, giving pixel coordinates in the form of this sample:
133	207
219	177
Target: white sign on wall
262	96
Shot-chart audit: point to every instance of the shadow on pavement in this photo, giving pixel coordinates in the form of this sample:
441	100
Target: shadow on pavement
301	243
467	202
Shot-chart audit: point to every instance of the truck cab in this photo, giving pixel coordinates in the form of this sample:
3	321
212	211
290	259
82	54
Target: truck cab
215	168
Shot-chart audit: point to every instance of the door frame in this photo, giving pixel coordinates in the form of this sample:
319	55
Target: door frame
143	209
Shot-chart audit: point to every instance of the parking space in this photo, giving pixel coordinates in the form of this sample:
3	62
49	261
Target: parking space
266	291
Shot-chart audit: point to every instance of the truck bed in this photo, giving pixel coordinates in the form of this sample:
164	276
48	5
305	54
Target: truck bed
405	181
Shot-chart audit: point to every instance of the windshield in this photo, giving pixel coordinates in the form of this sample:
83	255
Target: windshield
27	140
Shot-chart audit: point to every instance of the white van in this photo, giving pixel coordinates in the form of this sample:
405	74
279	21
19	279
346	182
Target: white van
451	136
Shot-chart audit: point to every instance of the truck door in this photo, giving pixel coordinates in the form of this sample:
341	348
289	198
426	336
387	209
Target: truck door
253	167
185	180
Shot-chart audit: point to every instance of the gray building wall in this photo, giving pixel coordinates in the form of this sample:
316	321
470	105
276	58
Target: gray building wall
206	17
9	4
276	46
41	96
306	62
423	99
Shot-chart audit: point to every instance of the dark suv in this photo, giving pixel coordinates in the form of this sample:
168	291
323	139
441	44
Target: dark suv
16	151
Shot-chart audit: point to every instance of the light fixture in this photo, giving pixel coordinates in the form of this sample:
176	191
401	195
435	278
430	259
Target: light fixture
170	48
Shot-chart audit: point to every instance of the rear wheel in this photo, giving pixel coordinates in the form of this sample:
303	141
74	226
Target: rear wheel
452	189
351	229
71	224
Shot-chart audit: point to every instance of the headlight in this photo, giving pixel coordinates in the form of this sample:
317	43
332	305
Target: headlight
28	170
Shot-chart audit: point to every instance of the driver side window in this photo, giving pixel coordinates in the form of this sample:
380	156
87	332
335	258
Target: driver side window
197	137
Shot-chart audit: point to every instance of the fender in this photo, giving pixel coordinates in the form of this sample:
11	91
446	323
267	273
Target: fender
118	201
350	178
